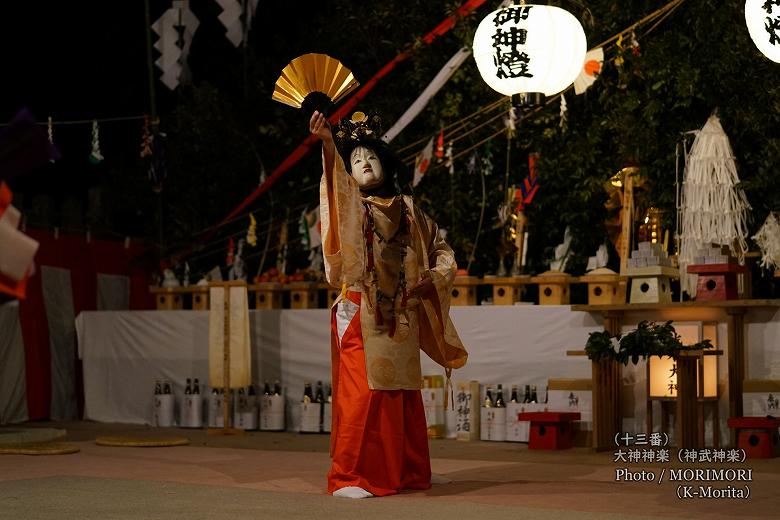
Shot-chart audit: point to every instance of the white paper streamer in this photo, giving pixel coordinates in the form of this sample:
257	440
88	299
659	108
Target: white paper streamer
768	240
231	18
713	209
96	156
433	87
173	52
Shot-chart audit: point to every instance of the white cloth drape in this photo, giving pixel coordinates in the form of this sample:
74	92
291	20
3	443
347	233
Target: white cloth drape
13	395
125	352
58	301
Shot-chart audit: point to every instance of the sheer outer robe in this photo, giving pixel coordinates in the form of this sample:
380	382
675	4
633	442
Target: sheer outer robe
423	324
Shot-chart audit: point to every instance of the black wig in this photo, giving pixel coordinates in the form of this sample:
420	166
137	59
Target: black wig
392	166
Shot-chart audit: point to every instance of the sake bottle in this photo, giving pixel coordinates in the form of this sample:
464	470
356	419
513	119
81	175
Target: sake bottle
500	398
196	387
307	395
188	387
488	397
533	395
513	398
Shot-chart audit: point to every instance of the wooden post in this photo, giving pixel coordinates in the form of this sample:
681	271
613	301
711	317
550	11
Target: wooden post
226	359
606	393
606	403
687	421
736	347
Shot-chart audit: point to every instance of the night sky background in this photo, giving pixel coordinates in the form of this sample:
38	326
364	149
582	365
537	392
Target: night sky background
85	60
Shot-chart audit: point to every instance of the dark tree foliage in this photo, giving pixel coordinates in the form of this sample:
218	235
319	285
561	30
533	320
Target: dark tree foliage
224	130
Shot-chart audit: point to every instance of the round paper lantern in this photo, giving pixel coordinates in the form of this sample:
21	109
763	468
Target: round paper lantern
763	22
534	49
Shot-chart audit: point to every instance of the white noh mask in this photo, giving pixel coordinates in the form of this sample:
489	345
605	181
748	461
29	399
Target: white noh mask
366	168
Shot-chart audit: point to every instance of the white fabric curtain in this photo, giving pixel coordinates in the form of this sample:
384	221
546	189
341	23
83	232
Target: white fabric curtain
125	352
13	384
58	301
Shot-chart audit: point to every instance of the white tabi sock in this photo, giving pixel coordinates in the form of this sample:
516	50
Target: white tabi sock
352	492
439	479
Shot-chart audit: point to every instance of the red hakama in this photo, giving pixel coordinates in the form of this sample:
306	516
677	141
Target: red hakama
379	438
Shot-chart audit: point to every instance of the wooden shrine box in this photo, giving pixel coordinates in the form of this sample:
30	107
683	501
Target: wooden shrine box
651	284
554	287
464	290
507	290
605	287
168	298
303	295
757	436
200	297
268	295
550	430
717	282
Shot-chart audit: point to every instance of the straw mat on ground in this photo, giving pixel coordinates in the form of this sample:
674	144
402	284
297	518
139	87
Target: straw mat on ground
39	448
142	442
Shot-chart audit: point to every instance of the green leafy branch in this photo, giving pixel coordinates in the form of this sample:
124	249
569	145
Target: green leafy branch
648	339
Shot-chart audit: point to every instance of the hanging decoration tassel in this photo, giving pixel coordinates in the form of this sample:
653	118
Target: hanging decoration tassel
449	163
564	109
487	163
471	166
635	49
714	209
768	240
95	157
619	57
230	254
146	139
251	233
440	146
50	133
511	123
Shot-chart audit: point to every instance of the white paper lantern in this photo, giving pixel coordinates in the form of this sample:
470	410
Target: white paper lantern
763	22
529	49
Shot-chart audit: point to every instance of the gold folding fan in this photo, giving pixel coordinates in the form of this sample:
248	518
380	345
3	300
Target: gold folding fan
313	82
